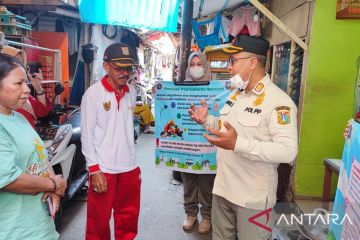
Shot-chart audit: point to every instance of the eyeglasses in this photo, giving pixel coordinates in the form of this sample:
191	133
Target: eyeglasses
130	69
231	60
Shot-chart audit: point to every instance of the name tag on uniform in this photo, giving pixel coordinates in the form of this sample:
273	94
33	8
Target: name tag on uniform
230	103
252	110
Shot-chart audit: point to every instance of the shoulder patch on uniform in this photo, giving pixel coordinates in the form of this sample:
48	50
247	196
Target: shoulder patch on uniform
107	105
283	115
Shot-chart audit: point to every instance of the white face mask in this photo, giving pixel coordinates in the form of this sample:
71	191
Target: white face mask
196	72
236	81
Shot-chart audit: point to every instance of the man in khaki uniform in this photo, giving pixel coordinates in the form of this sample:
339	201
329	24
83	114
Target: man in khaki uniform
255	132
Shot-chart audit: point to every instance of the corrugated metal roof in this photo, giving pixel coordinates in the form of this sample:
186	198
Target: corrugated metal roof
149	14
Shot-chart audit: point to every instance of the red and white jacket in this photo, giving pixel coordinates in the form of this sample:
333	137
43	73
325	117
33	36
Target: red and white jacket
107	131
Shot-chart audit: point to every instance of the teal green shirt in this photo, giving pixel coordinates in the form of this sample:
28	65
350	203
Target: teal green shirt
22	216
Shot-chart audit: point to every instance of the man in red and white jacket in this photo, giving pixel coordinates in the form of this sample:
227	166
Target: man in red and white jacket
107	138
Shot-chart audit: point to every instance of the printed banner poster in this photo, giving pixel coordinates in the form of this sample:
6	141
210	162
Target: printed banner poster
347	199
180	144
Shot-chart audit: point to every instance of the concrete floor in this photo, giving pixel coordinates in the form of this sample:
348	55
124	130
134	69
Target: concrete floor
161	213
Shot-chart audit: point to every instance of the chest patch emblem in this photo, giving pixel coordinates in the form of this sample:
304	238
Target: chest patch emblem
107	105
233	97
283	115
259	100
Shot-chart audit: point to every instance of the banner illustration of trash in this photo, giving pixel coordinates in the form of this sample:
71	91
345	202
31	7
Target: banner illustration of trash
180	144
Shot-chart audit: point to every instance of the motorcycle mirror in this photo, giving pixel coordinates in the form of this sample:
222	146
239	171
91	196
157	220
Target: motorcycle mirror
59	89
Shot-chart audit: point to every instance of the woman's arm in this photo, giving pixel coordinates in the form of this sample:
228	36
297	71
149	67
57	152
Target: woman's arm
40	109
32	184
40	103
54	198
36	83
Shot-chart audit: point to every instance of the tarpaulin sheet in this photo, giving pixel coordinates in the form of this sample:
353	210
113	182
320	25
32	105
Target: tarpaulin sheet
159	15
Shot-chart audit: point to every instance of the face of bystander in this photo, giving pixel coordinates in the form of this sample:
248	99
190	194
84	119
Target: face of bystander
117	76
14	91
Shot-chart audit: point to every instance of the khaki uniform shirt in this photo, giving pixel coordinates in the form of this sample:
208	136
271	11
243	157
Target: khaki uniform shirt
265	122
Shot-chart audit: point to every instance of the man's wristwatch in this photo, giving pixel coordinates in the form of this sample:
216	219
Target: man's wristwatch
42	92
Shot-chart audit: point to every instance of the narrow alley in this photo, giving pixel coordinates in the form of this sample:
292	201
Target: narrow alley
161	214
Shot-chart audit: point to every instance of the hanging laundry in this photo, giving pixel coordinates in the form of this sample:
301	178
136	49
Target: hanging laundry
245	16
131	39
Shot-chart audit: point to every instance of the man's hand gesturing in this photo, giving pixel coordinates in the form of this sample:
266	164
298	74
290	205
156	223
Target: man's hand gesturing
199	114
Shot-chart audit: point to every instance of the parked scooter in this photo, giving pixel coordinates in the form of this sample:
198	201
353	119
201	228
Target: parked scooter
143	95
62	141
143	90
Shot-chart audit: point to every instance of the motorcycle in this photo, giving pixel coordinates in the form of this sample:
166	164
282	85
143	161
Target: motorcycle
144	92
143	95
60	131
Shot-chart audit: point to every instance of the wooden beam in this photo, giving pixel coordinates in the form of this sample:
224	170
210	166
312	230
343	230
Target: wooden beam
38	8
279	23
66	13
73	3
29	2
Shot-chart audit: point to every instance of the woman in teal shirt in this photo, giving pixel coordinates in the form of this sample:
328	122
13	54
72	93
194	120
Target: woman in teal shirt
27	183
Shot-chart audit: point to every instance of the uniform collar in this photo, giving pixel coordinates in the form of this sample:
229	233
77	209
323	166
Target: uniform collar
109	88
261	85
